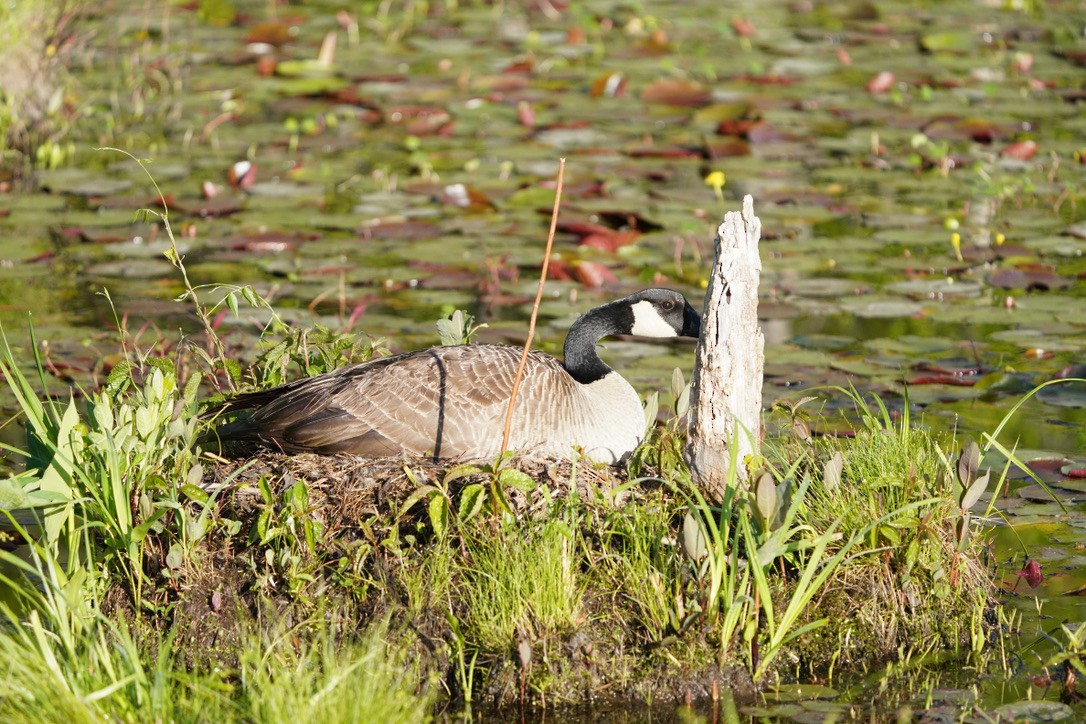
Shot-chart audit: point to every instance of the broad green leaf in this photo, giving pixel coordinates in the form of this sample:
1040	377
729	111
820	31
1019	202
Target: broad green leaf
652	409
766	497
140	531
972	495
460	471
439	515
831	474
677	383
516	479
195	475
175	558
422	492
471	501
194	493
682	403
968	463
12	496
103	414
693	538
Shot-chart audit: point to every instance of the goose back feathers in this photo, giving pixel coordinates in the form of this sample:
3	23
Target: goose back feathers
451	402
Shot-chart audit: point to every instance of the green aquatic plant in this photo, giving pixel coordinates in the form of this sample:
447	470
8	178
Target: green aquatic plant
116	471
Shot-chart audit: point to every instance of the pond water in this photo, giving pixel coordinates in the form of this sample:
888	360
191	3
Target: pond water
918	170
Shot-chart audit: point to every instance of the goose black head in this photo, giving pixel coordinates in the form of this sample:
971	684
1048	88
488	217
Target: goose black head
663	313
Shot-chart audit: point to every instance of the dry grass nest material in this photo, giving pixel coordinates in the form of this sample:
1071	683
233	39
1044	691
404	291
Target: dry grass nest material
345	489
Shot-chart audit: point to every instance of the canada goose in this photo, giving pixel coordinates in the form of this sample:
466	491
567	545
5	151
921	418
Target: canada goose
451	402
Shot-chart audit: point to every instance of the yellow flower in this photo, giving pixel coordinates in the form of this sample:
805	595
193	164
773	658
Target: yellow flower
716	180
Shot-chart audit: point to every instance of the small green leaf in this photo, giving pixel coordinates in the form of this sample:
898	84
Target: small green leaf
195	475
972	495
439	515
298	496
119	377
194	493
233	368
912	554
693	538
250	296
682	403
510	478
652	409
831	473
460	471
766	497
195	529
421	493
265	490
968	464
12	496
140	531
677	383
192	387
175	558
449	332
471	501
103	414
891	534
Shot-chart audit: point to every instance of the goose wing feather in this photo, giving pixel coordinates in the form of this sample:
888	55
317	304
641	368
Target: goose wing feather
445	401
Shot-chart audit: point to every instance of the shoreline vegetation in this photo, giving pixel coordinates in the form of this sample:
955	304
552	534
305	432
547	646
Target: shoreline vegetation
141	575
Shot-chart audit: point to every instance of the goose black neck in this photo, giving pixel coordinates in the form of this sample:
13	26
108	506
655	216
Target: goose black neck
581	359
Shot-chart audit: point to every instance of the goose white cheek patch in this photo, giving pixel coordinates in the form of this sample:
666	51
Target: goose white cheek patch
649	323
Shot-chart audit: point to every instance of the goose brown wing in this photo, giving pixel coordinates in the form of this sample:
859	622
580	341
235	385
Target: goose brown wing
445	401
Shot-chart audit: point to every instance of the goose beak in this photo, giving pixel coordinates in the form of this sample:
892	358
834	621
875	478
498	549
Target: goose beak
691	322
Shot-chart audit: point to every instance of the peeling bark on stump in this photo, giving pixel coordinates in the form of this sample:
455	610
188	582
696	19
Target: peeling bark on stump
726	389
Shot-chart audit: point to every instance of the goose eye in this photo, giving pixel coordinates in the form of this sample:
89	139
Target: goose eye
668	304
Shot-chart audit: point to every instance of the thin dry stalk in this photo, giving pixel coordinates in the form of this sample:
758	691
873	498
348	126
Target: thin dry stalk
535	307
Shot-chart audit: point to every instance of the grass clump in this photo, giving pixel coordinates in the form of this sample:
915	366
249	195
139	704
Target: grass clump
326	679
522	583
916	577
645	568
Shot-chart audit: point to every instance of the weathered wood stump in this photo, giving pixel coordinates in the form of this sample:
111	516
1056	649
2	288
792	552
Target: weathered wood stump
726	389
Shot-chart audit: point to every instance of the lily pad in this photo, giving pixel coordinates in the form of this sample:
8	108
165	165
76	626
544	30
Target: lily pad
1035	711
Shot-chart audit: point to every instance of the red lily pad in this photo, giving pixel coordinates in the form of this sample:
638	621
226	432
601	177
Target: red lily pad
1021	150
268	242
402	230
1032	574
676	92
665	152
208	208
881	82
610	240
593	274
130	202
275	33
1035	278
